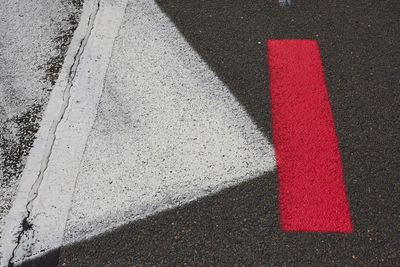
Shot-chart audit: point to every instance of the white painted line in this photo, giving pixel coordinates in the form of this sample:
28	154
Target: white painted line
45	199
168	131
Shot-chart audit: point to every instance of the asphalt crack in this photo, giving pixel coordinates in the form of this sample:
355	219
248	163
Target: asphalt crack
26	225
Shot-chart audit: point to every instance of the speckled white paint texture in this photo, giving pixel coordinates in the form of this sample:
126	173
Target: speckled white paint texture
150	129
28	30
89	54
167	132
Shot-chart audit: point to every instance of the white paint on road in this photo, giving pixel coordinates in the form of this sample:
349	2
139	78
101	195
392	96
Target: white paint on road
30	33
167	131
49	209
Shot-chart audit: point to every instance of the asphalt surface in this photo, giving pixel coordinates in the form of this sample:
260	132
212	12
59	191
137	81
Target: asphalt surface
358	41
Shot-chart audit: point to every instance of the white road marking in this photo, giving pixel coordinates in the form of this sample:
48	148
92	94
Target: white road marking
50	208
167	132
28	48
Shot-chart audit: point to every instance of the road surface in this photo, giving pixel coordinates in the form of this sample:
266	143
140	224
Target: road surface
159	142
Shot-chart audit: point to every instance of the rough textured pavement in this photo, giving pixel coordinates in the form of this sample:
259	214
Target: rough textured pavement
34	38
358	41
167	131
359	47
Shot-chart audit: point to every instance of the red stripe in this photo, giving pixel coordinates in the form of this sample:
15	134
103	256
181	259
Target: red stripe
312	194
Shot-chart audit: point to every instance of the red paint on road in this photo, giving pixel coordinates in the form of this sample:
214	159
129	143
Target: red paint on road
312	194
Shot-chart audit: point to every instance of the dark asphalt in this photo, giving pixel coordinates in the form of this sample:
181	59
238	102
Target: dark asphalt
359	45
